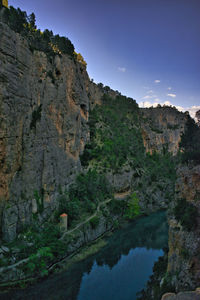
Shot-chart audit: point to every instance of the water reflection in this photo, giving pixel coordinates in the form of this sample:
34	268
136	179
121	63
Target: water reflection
117	271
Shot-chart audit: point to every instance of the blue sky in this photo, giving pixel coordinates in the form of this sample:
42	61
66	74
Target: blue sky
147	49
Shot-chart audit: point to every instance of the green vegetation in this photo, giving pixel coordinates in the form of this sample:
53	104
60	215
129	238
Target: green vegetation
44	41
116	142
38	262
84	196
133	208
186	213
39	201
190	142
115	134
94	222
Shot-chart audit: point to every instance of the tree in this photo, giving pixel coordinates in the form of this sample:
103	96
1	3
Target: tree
32	20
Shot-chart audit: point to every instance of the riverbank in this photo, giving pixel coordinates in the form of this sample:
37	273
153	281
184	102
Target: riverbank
137	245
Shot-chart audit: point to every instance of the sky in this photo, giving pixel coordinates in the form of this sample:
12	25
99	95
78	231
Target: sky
148	50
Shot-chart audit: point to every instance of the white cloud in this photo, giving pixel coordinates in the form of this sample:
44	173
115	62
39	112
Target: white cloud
121	69
171	95
150	92
157	81
147	97
157	100
169	88
192	110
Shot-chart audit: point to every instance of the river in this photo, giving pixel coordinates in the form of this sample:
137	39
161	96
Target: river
116	272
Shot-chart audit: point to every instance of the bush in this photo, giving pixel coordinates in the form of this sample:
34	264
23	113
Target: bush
186	213
94	222
190	142
133	208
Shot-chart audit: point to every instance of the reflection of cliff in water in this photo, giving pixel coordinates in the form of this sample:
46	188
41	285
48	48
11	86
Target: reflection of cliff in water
149	232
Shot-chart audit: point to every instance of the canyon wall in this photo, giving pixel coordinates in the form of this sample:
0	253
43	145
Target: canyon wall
162	128
44	110
184	245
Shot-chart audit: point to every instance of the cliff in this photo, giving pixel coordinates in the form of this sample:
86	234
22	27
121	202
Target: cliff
193	295
184	241
44	113
44	109
162	128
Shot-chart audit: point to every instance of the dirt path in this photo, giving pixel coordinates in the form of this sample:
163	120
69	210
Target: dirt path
85	221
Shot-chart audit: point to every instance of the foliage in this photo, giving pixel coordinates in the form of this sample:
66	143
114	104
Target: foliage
89	190
114	133
117	207
39	201
36	116
80	58
186	213
94	222
45	41
38	262
133	208
190	142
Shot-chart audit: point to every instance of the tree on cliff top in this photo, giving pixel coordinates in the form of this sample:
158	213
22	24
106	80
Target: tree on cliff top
190	142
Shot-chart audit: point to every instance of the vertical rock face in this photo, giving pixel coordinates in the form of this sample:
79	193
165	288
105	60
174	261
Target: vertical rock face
44	106
44	111
184	246
162	128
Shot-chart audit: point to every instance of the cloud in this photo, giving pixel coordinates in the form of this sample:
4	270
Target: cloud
147	97
157	81
121	69
169	88
150	92
171	95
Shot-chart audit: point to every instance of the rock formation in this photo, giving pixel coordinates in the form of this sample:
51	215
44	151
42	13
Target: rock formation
184	245
44	109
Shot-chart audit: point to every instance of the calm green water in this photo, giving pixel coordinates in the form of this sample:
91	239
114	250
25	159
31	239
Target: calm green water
117	272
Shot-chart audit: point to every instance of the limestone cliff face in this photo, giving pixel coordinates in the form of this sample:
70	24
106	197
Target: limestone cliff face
184	246
162	128
193	295
44	110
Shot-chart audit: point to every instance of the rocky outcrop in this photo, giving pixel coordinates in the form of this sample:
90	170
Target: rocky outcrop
195	295
184	246
44	113
162	128
44	106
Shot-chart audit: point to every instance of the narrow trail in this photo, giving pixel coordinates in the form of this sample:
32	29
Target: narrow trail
85	221
64	234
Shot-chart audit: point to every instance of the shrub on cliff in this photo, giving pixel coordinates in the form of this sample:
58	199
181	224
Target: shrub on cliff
186	213
190	142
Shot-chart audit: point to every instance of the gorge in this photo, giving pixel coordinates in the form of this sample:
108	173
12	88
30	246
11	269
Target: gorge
70	146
